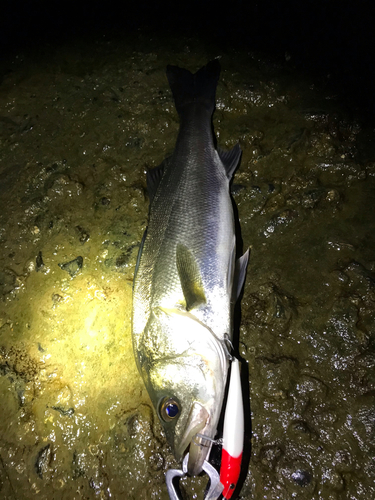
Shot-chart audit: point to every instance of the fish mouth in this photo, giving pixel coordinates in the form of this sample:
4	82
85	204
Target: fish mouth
197	423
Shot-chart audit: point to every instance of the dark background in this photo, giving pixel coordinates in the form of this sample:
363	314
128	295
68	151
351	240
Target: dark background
331	38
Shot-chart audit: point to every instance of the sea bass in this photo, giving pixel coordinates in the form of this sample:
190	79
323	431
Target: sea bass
184	285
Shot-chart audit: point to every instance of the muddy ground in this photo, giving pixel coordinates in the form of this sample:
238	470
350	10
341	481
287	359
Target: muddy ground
80	125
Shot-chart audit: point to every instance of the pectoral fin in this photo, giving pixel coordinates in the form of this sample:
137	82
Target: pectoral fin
190	278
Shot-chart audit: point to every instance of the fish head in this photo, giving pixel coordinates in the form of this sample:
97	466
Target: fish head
185	374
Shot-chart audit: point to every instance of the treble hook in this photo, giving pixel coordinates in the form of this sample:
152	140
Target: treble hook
215	485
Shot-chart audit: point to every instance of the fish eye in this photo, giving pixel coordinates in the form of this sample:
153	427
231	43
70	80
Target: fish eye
169	409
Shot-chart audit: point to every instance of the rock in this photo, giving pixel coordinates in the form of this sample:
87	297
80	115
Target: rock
43	460
39	262
65	412
72	267
83	234
301	477
56	298
295	473
280	219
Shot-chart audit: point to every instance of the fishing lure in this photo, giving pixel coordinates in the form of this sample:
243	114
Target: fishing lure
233	433
233	439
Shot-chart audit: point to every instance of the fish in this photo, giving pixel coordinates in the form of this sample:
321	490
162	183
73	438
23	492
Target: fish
187	279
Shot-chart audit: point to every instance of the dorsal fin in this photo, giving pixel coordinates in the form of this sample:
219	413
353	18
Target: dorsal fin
230	159
190	278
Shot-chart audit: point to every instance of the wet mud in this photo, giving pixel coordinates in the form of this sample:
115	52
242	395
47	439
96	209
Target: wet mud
80	125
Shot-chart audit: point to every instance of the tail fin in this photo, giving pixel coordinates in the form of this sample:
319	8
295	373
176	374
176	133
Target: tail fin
200	87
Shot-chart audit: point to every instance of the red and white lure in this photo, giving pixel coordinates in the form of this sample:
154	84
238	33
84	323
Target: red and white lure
233	439
233	433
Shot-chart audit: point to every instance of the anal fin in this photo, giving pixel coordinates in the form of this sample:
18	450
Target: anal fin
240	274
